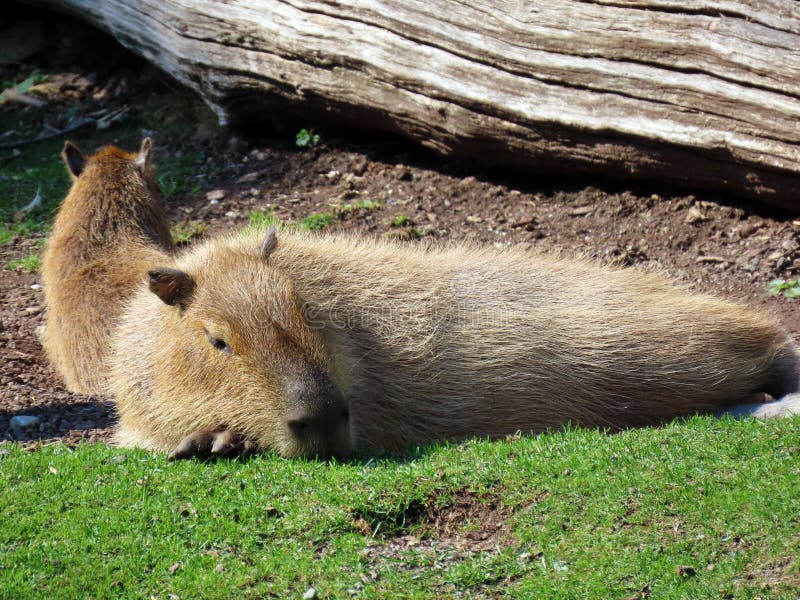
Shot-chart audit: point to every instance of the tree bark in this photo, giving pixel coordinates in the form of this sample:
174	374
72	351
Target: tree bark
699	93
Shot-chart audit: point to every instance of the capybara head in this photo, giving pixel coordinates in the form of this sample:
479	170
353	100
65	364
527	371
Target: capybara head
242	346
114	196
128	168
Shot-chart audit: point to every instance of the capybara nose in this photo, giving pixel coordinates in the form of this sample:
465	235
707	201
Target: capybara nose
318	415
325	421
310	425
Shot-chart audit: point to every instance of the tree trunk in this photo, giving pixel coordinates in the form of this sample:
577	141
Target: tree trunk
699	93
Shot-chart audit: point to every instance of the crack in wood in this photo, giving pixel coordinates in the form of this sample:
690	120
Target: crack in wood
562	84
714	12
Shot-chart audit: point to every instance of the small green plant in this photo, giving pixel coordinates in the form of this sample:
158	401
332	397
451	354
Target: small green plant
306	138
400	221
30	264
363	205
183	232
261	219
316	221
178	174
24	87
788	287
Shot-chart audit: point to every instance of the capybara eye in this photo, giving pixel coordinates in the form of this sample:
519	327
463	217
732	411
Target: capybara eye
219	344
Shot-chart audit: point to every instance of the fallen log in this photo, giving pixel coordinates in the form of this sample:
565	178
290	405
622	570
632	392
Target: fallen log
703	93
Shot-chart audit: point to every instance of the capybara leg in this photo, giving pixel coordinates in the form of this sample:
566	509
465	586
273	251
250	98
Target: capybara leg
784	407
217	443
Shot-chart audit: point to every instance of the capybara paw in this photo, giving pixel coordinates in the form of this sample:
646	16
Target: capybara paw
787	406
208	443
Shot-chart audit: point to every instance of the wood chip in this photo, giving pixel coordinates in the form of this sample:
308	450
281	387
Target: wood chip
524	223
248	178
581	211
695	216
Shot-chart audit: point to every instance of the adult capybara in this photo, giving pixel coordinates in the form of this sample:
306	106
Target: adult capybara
110	228
325	345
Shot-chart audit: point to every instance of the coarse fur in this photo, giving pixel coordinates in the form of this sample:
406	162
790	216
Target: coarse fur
109	229
422	344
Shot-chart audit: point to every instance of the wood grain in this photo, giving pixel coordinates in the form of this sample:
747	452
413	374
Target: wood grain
703	94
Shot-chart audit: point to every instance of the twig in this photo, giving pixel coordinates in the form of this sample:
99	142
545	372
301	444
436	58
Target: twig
72	127
13	95
106	120
710	259
31	206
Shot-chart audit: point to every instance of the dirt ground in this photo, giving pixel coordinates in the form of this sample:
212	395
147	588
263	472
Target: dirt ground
714	244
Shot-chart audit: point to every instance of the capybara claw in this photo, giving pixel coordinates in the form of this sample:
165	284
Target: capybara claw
230	443
197	444
206	443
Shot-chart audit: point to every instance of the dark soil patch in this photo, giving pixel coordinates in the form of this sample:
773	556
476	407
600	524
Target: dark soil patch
435	534
777	574
29	386
475	522
713	244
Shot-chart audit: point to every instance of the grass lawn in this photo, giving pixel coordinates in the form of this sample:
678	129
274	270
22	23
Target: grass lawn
699	509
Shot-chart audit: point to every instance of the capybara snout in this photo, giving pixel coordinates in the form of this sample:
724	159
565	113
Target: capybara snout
318	416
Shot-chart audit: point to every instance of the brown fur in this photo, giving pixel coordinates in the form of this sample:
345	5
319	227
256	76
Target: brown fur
109	229
425	344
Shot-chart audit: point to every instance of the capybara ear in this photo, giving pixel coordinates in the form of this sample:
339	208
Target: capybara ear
74	159
270	243
143	158
171	285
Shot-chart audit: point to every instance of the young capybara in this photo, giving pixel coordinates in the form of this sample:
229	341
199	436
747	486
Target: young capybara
325	345
110	228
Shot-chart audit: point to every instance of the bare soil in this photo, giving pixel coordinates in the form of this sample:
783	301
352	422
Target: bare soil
718	245
436	534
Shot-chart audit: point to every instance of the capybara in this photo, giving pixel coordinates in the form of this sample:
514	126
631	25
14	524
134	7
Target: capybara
110	228
329	344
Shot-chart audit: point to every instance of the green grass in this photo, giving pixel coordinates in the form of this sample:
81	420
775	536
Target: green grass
261	219
400	221
316	221
30	264
38	167
183	233
590	516
365	205
178	174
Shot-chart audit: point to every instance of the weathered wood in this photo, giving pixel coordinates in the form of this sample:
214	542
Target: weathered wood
701	93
